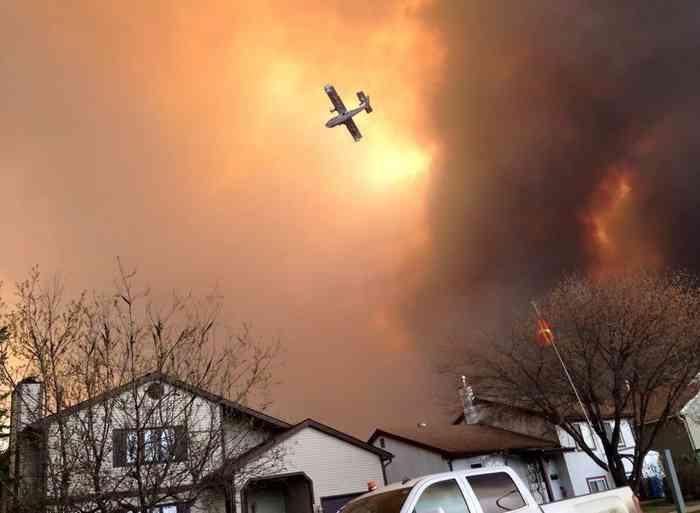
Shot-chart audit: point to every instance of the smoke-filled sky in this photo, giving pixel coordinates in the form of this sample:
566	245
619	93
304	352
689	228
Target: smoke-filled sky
509	143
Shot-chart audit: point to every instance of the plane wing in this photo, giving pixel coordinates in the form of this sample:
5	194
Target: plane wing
335	99
352	128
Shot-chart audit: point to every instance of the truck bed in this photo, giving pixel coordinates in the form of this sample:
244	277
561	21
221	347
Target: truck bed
618	500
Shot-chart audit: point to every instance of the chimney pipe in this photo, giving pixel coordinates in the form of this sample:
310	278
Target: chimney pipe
471	411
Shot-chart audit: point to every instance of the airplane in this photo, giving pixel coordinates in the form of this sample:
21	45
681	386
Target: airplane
344	116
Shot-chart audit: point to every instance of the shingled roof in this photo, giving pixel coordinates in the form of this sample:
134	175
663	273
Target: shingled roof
462	440
657	404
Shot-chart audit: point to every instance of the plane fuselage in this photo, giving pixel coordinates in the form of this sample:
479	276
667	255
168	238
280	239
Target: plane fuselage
342	118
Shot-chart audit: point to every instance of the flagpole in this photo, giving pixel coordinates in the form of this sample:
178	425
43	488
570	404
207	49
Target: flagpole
568	376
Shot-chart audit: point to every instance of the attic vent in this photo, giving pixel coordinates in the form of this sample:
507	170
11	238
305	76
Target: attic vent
155	390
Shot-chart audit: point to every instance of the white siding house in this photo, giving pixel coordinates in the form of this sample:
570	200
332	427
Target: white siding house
336	466
411	460
317	454
432	449
192	451
690	412
586	475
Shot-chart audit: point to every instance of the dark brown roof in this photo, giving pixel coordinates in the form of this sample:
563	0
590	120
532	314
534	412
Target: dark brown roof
455	440
658	403
159	376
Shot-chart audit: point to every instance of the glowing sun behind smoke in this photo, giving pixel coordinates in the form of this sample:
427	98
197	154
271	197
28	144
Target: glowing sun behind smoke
392	158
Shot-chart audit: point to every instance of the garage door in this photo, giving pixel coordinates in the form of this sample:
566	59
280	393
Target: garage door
333	504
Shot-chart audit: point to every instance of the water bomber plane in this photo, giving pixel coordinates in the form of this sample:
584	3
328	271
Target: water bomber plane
344	116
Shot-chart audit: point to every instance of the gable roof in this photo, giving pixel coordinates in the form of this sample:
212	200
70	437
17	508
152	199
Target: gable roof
308	423
460	440
164	378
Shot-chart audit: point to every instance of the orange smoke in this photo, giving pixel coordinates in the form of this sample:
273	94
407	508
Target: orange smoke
616	239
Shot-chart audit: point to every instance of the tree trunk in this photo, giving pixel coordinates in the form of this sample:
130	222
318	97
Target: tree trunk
617	470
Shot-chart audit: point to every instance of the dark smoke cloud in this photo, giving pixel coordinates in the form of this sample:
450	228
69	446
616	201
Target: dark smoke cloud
540	101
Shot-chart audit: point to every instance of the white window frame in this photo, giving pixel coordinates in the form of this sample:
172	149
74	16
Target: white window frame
622	442
158	445
597	479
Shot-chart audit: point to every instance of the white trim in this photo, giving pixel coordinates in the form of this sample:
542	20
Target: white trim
597	479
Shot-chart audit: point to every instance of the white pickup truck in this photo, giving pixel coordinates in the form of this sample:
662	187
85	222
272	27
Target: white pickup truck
482	491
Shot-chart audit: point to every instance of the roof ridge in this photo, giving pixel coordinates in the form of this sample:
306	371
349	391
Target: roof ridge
176	382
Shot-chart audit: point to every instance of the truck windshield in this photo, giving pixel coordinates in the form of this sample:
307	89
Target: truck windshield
387	502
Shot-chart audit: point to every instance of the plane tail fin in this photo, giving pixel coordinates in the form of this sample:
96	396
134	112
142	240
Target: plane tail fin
364	99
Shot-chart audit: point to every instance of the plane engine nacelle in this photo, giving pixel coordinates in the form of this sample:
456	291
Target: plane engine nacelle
364	99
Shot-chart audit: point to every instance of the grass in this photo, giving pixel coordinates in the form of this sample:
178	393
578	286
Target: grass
661	506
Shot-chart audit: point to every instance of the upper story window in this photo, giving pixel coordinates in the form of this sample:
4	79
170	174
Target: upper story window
152	445
382	443
165	508
609	426
584	431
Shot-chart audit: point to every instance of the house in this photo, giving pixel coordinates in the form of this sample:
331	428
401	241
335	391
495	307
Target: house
681	434
581	472
586	475
427	449
174	447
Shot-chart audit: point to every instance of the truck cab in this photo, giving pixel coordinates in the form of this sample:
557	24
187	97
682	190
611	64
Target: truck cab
495	490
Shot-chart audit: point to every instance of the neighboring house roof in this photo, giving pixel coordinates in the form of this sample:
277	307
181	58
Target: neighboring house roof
480	401
658	403
460	440
159	376
573	416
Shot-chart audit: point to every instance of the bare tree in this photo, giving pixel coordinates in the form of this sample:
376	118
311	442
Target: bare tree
123	425
631	344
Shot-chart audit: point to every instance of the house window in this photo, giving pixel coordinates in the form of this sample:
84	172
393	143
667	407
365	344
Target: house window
170	508
609	426
154	445
382	443
597	484
132	441
181	507
585	432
